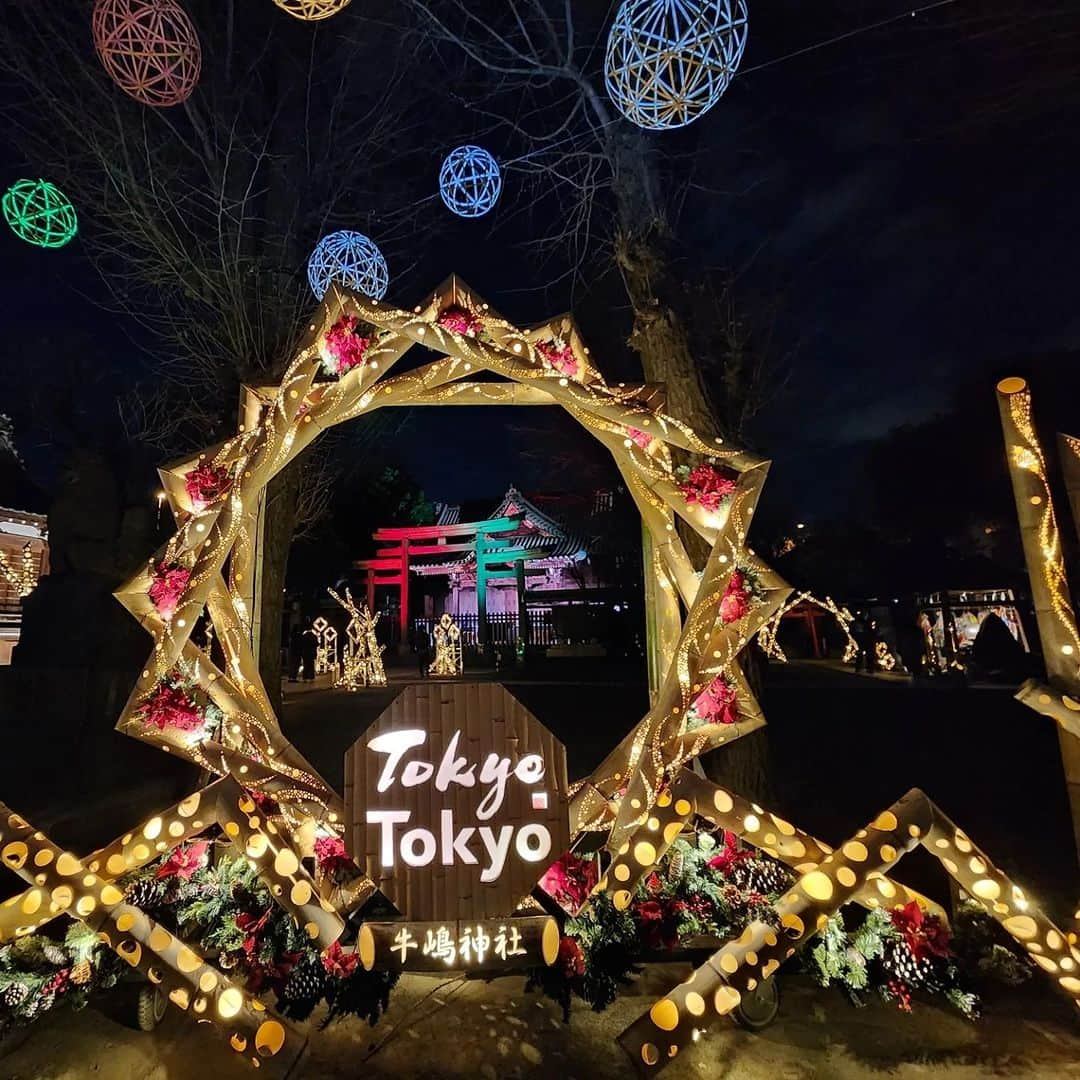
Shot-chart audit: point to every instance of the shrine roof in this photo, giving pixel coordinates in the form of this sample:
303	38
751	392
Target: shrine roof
537	531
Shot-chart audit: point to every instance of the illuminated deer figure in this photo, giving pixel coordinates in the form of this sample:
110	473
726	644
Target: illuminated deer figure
362	661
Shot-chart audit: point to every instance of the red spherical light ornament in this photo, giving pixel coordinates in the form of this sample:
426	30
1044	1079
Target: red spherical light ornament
149	48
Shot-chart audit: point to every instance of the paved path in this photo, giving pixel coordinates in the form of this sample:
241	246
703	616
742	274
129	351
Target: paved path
457	1028
843	748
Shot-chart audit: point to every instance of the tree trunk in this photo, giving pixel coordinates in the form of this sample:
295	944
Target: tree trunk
281	501
661	338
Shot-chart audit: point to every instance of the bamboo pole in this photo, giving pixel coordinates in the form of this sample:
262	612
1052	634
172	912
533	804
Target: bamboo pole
1046	565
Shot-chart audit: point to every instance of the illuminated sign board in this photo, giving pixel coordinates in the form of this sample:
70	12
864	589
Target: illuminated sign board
457	801
503	944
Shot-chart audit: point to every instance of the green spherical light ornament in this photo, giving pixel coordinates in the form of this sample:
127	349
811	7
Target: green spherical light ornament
40	213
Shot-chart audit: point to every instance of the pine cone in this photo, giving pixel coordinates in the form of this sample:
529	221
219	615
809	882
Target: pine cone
54	953
675	866
14	994
81	973
143	894
35	1006
305	983
762	876
901	961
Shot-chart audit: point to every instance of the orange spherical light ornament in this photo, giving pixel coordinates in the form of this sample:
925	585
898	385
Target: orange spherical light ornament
311	10
149	48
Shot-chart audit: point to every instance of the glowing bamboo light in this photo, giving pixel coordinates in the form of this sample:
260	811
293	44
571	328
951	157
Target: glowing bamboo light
1046	563
630	797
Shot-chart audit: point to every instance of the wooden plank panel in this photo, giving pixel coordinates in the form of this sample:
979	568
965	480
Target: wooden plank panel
491	727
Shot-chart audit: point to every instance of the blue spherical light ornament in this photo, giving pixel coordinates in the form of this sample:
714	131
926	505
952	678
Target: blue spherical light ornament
670	61
470	181
349	259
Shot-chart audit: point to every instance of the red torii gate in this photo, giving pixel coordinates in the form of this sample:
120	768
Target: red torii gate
491	542
809	615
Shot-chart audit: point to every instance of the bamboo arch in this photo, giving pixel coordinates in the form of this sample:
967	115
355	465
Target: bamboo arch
640	795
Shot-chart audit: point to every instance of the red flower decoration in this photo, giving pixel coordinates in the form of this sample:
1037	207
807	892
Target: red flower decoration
642	438
265	802
331	856
924	934
571	959
560	356
166	588
345	346
729	856
717	703
184	861
170	707
569	881
658	923
735	602
262	976
653	884
649	911
269	976
707	487
252	926
338	963
460	320
205	484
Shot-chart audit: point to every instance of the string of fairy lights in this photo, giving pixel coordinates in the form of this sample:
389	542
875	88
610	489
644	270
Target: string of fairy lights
23	576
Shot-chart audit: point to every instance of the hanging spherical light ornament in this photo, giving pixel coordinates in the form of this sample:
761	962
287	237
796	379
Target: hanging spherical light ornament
670	61
39	213
149	48
349	259
470	181
311	10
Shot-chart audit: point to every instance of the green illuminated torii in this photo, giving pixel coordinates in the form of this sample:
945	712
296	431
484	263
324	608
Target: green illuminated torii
491	542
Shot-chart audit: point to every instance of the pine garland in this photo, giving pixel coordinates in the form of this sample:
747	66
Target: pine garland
699	890
712	890
38	973
878	956
226	913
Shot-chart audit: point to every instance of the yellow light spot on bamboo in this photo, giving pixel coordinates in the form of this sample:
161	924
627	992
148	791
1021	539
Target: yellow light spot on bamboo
286	864
160	939
644	853
665	1014
817	885
230	1003
270	1038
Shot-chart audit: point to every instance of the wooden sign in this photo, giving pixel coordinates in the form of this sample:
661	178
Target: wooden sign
456	801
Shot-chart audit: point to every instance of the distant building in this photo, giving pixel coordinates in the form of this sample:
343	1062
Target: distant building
24	557
952	618
520	572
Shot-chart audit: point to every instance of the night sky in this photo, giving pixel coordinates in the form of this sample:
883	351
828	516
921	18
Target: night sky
907	197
